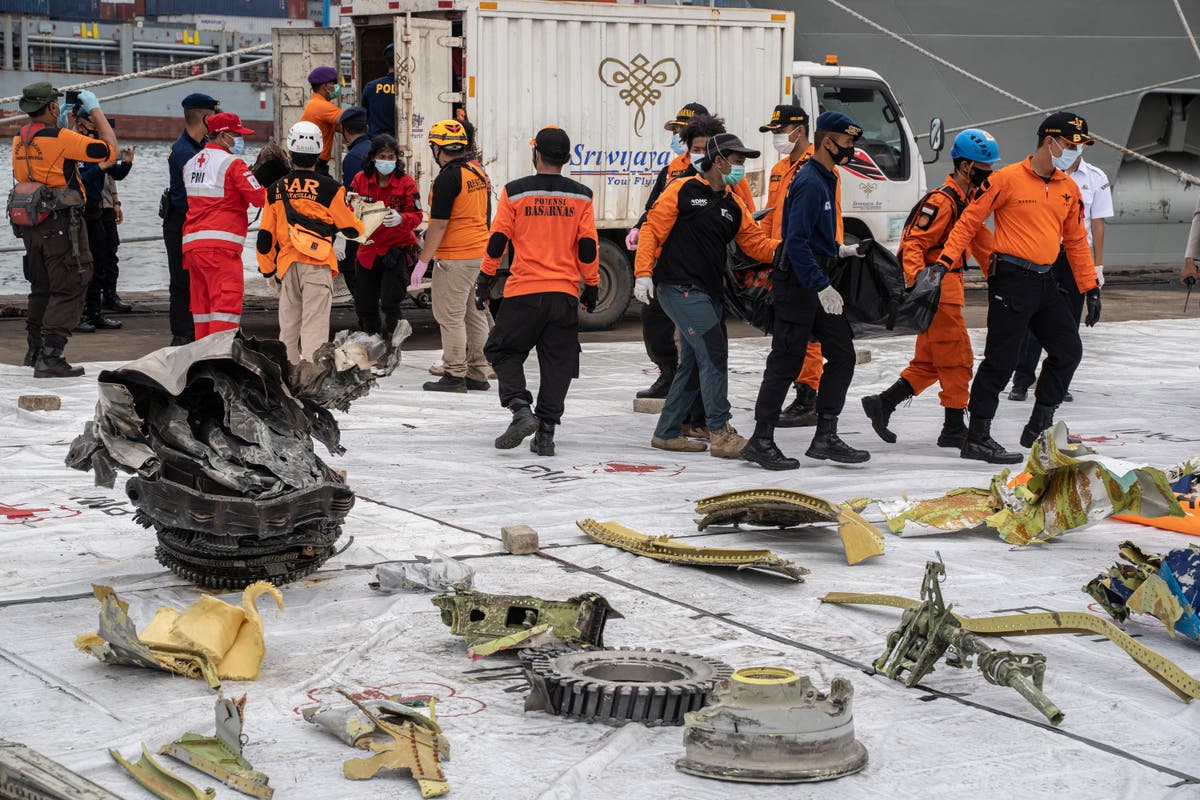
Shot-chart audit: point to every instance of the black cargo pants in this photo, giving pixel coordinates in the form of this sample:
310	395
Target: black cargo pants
549	322
58	266
180	283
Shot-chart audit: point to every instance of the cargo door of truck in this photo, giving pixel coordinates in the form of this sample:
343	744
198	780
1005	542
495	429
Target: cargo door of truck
424	89
295	53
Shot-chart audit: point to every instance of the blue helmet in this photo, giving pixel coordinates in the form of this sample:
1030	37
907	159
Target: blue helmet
974	144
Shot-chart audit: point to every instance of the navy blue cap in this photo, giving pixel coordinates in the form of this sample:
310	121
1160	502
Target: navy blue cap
353	114
197	100
837	122
389	50
322	75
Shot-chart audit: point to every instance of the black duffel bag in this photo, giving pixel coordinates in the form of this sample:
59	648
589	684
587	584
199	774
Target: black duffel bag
877	303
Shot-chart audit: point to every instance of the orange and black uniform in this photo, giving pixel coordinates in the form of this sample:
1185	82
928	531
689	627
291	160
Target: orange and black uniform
325	115
943	353
58	259
1032	216
549	225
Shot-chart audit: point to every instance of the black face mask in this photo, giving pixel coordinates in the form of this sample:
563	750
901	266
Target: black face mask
977	176
841	155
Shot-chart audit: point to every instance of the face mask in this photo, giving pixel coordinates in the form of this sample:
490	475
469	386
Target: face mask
677	145
239	146
842	155
696	159
736	173
384	167
977	176
1066	158
337	91
783	144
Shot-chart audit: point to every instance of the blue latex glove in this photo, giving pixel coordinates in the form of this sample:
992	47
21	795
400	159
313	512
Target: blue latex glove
64	116
88	101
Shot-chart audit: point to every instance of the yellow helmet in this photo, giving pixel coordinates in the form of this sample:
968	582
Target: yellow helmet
448	133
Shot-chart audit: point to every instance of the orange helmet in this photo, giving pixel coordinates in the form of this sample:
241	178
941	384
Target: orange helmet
448	133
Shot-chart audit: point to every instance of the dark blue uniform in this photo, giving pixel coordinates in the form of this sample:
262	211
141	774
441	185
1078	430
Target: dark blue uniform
352	162
103	249
180	316
379	99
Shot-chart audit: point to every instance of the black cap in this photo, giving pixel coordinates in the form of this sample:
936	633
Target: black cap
785	115
198	100
837	122
389	50
1068	125
553	143
722	144
352	115
686	115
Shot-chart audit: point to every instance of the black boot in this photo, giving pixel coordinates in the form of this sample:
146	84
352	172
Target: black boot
980	446
113	302
51	364
523	423
447	383
35	349
879	407
662	384
542	443
763	451
954	430
826	444
99	321
83	326
1041	418
802	412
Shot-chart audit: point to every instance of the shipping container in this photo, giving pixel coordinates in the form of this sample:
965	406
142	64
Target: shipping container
229	8
25	8
247	26
77	10
121	10
297	9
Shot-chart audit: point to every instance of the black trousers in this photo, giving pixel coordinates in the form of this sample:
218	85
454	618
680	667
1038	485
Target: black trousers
180	285
1031	348
97	238
1020	301
548	321
58	266
799	316
658	334
383	287
348	266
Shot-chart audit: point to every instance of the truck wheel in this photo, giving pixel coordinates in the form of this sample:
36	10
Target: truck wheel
616	289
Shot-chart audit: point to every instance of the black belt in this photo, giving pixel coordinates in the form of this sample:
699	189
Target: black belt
1028	266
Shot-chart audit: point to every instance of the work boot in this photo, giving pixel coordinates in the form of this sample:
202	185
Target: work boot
954	430
662	384
826	444
523	424
802	412
1019	393
51	364
763	451
449	383
113	302
980	446
542	443
35	349
477	386
690	431
879	407
84	326
678	444
100	322
1041	418
725	442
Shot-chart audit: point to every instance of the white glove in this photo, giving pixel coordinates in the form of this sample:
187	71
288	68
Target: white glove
392	218
1099	274
643	290
847	250
272	285
631	239
831	301
339	247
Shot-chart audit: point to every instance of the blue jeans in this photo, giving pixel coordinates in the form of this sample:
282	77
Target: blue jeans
700	320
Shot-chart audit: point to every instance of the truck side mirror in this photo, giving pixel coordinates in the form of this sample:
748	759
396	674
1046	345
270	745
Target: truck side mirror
937	138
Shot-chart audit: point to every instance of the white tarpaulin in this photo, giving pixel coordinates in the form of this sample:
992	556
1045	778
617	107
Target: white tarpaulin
429	481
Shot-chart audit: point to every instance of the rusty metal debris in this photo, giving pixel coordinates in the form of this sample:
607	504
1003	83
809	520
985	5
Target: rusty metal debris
771	725
27	774
350	722
219	436
783	508
158	780
653	687
492	622
1164	585
441	574
220	755
666	548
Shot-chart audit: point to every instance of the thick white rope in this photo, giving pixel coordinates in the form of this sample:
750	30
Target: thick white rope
1187	28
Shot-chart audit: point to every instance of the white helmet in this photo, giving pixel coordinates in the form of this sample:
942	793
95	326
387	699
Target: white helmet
305	138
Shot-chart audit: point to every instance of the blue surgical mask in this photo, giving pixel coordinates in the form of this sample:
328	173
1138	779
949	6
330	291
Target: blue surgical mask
384	167
677	145
337	91
736	173
1066	159
239	146
696	159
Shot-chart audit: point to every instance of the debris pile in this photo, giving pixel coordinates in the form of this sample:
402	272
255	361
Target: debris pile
1164	585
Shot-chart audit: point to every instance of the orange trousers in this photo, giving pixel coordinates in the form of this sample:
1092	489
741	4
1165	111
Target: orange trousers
814	365
943	355
217	286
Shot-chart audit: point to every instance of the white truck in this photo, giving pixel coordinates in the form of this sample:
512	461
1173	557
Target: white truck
611	75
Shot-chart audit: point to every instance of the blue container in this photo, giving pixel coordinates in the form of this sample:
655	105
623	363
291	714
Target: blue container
75	10
27	8
225	8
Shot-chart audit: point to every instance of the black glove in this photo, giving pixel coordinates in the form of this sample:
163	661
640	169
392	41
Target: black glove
589	296
1093	307
483	289
865	246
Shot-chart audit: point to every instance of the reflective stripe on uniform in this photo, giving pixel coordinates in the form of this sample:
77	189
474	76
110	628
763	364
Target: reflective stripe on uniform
224	236
217	316
536	193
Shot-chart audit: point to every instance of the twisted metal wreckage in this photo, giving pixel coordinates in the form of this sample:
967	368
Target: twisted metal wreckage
219	437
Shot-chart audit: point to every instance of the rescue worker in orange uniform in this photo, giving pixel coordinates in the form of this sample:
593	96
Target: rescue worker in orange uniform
58	259
220	187
322	111
943	353
305	210
1036	207
549	223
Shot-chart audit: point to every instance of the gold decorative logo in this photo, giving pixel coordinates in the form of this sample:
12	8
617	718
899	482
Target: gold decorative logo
639	82
867	188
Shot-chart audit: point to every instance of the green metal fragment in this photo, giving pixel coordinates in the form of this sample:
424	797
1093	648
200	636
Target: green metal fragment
480	617
220	755
158	781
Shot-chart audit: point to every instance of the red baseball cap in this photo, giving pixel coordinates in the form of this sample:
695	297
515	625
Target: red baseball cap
227	122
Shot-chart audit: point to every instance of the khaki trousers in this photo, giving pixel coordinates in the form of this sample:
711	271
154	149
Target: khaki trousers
305	298
464	327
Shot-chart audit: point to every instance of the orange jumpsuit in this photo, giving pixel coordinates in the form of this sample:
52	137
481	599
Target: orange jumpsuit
943	353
